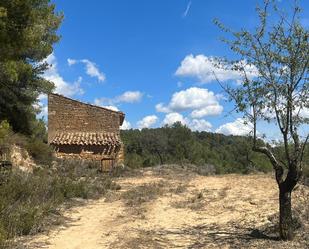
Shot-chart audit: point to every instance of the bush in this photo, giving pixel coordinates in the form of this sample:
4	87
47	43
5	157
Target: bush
134	161
27	199
206	169
41	152
144	193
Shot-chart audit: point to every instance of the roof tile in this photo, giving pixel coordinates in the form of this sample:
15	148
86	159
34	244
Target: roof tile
86	138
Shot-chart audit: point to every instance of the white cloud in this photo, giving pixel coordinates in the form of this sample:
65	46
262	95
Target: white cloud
174	117
161	108
62	87
147	121
126	97
102	101
71	62
200	125
194	124
44	111
126	125
211	110
129	97
42	97
237	128
205	70
187	9
91	68
111	107
201	101
41	109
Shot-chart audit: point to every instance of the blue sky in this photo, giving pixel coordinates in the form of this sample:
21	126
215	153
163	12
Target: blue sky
151	59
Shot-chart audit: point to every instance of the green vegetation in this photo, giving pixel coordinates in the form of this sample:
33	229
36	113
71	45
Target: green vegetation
27	34
28	200
277	50
35	144
178	144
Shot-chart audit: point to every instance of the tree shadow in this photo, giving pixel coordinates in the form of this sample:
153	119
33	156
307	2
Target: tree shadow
216	236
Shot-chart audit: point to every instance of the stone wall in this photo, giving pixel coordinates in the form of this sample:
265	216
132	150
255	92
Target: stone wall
67	115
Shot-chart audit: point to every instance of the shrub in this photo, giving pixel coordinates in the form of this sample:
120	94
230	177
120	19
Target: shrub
41	152
26	200
144	193
206	169
134	161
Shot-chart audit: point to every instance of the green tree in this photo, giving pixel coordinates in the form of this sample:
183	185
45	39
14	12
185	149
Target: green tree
277	53
155	141
27	34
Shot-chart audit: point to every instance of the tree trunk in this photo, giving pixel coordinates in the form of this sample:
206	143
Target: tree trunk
161	159
285	221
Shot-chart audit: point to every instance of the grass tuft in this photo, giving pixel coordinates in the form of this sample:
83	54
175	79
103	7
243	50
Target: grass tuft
27	200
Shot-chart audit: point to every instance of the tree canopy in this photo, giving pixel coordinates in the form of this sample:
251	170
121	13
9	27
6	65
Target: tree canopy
178	144
274	63
27	35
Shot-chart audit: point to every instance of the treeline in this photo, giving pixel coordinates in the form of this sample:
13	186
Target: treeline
178	144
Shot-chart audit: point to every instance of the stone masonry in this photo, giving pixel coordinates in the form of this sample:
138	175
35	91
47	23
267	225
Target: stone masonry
83	130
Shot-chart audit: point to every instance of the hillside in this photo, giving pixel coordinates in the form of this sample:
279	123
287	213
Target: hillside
217	153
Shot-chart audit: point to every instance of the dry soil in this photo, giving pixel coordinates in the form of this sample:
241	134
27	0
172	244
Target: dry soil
182	210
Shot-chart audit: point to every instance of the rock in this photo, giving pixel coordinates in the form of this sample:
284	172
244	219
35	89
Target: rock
21	159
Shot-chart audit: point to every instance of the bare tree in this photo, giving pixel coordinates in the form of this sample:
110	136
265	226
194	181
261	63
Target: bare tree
274	62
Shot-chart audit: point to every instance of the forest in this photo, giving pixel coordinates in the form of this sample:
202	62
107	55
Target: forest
215	152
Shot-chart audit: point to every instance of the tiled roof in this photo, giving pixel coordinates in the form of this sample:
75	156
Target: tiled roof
86	138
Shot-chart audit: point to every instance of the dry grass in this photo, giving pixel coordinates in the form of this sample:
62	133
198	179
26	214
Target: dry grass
144	193
31	203
230	211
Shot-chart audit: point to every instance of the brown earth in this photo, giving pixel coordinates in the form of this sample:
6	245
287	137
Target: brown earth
167	209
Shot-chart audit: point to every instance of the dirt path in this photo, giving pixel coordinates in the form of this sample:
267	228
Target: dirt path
174	211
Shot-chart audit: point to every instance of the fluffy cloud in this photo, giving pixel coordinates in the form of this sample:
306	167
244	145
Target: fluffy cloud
129	97
237	128
126	125
147	121
174	117
71	62
194	124
101	103
111	107
41	109
205	70
91	68
210	110
201	101
62	87
126	97
200	125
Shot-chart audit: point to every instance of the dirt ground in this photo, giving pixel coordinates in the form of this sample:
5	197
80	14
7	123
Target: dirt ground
167	209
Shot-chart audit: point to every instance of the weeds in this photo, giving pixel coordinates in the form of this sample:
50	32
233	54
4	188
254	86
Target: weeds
196	202
181	188
27	200
144	193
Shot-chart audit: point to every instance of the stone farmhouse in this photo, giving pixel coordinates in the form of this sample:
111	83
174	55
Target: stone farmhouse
84	131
